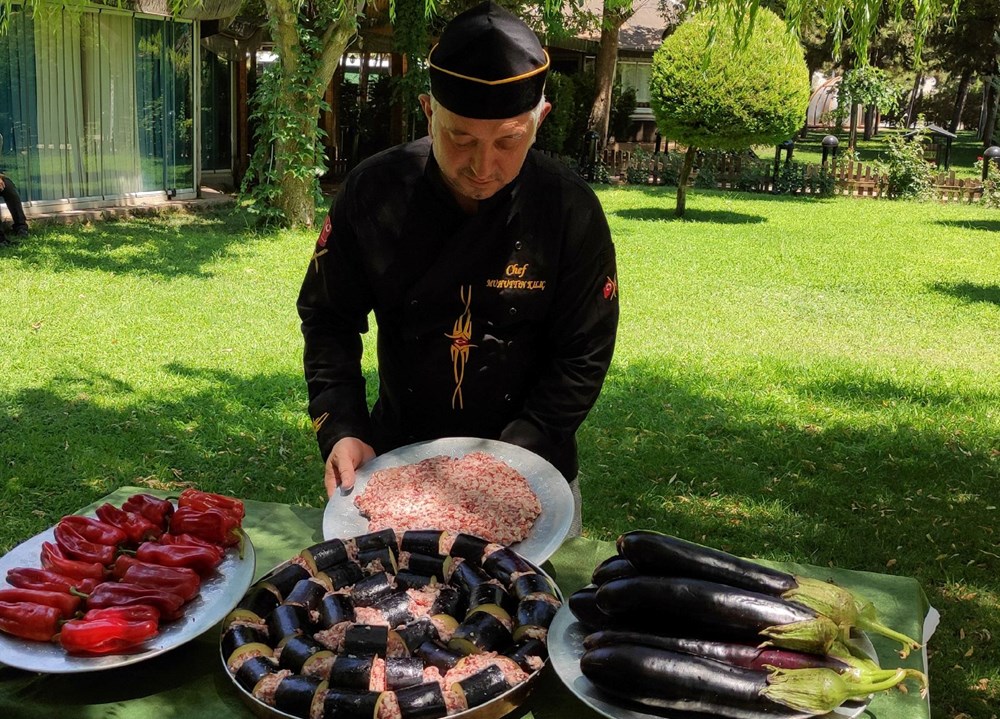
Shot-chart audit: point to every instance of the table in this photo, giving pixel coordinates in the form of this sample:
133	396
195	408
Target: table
190	682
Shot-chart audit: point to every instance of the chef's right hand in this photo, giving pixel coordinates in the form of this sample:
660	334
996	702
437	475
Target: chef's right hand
348	454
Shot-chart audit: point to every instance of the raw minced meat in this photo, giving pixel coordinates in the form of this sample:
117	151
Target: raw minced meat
476	494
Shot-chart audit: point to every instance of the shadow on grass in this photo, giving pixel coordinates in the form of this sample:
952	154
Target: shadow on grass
720	217
879	494
969	292
167	246
984	225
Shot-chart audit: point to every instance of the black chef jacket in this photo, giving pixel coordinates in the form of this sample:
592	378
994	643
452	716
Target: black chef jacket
498	325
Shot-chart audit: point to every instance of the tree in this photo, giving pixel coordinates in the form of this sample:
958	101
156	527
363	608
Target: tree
865	86
616	12
731	94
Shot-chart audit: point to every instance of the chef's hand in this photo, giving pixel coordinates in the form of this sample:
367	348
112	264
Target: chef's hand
348	454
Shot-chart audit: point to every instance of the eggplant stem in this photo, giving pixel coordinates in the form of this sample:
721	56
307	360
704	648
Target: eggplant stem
863	689
874	626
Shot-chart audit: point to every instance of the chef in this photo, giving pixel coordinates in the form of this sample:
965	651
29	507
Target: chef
489	267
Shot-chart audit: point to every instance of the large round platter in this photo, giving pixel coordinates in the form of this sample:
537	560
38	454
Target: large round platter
342	519
218	594
495	708
566	636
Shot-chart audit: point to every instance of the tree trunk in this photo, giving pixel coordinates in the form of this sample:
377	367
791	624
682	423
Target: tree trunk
852	141
989	126
305	73
963	93
682	181
870	114
911	107
604	72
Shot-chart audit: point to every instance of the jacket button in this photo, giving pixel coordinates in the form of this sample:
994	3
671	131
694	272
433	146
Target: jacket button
506	398
517	245
413	303
513	311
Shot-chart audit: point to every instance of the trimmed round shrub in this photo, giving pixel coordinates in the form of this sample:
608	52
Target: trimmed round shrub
727	96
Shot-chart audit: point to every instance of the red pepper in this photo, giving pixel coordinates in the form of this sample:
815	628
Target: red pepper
201	559
119	594
132	613
48	581
136	527
188	539
94	530
67	604
37	622
179	580
213	525
54	560
75	546
196	499
107	635
154	509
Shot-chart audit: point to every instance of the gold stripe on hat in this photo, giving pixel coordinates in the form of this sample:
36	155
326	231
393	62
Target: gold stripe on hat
504	81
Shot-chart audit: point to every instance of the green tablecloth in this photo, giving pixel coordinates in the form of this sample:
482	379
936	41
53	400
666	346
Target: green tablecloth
190	682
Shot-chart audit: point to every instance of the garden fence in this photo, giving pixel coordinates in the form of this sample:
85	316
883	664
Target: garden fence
854	179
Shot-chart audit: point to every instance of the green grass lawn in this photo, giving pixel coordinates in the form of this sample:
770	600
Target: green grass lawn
809	380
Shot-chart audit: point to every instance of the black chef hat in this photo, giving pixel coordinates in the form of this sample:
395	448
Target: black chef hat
488	64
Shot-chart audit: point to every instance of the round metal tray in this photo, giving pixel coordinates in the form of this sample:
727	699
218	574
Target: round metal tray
342	519
494	709
565	644
218	594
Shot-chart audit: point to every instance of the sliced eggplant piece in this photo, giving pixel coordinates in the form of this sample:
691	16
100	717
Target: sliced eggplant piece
259	601
246	638
468	546
296	651
401	672
422	701
287	620
380	557
253	670
395	608
284	578
534	583
435	565
449	601
370	589
481	631
486	684
415	633
321	557
532	619
375	540
308	593
421	541
348	704
438	656
366	640
467	576
344	574
504	563
485	596
530	654
405	579
296	693
334	609
351	672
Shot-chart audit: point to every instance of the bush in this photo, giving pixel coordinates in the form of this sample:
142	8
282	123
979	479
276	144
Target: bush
907	174
715	95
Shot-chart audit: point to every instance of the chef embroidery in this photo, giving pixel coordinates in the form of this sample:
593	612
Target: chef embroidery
460	337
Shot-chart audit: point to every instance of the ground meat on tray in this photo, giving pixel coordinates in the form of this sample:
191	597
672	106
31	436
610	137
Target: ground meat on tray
477	494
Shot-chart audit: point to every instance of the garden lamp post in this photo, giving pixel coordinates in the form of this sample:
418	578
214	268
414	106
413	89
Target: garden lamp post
788	146
992	153
590	154
830	144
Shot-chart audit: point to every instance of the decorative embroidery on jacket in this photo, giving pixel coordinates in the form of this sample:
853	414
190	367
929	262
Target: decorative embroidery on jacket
460	345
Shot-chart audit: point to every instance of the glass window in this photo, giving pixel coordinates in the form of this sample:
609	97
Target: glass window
216	113
636	75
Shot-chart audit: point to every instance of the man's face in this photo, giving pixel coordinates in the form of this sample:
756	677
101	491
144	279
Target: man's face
478	157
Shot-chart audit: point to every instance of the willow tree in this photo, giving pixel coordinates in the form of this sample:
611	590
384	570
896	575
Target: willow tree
710	90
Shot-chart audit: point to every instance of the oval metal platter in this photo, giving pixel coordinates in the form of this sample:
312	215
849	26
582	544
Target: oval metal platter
495	708
342	519
219	593
566	636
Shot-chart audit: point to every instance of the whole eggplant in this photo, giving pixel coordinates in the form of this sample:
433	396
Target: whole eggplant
683	682
661	554
709	609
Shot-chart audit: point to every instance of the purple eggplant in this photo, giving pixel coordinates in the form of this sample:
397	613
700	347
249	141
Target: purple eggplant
660	554
709	610
683	682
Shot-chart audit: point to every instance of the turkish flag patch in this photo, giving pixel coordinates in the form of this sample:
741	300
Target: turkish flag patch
327	229
610	290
